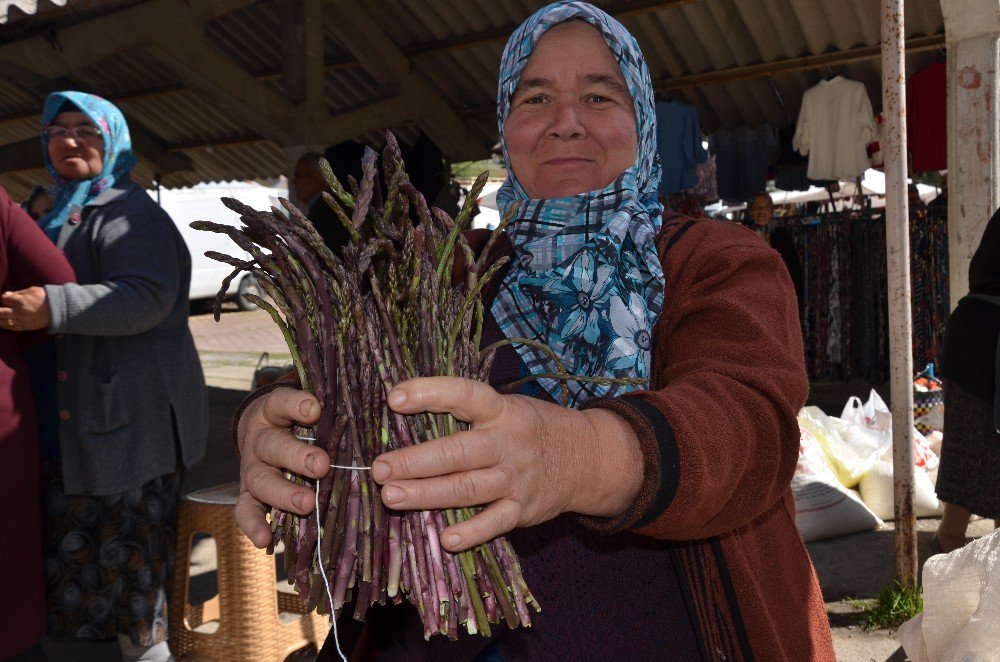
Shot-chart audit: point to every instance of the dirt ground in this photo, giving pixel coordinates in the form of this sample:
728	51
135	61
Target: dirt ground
850	568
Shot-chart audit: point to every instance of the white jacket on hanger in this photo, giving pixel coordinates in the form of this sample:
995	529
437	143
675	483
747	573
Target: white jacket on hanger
835	126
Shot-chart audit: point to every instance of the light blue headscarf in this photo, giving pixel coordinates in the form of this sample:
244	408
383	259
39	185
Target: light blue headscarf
118	160
587	279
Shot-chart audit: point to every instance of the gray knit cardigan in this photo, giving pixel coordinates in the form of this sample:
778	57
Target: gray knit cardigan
130	385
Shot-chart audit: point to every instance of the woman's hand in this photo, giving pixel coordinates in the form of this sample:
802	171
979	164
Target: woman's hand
267	446
25	310
526	460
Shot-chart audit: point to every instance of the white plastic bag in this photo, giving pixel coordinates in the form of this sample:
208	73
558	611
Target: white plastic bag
961	607
852	449
875	415
877	492
823	507
924	456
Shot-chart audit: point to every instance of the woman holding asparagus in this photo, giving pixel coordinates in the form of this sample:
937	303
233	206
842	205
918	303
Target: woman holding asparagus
651	524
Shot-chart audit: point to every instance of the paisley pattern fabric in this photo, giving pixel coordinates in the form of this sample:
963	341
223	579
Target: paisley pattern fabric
118	160
108	559
587	280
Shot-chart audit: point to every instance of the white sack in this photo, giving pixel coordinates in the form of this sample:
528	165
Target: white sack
877	492
824	508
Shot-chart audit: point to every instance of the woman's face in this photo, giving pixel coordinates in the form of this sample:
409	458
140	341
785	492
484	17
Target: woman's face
76	158
40	206
571	126
761	211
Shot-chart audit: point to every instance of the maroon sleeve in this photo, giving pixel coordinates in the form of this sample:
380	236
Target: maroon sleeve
718	430
31	257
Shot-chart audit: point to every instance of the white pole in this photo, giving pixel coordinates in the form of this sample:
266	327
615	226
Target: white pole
898	248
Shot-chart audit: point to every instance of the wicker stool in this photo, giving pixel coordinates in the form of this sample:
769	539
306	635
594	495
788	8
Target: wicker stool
248	603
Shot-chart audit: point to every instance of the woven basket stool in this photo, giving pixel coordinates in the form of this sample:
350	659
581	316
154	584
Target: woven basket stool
248	603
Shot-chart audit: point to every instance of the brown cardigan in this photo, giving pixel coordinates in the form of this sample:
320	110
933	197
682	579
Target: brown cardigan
720	439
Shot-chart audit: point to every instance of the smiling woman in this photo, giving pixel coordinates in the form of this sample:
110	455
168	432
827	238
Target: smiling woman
76	146
128	404
651	524
571	126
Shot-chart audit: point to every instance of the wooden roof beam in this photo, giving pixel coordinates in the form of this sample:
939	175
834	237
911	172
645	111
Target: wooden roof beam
302	51
793	65
382	58
229	86
39	59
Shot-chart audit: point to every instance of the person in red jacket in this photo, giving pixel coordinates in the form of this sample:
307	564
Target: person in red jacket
651	524
27	258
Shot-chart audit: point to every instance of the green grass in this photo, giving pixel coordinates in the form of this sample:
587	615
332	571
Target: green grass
896	604
471	169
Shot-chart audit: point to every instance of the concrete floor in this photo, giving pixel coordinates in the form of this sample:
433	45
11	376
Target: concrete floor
849	568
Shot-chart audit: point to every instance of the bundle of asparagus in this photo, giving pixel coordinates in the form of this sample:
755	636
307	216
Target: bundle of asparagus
356	325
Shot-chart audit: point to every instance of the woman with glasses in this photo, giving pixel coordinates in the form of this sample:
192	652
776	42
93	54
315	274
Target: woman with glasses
131	408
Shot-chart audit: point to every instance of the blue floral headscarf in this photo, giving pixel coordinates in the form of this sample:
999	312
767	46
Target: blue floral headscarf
117	157
587	279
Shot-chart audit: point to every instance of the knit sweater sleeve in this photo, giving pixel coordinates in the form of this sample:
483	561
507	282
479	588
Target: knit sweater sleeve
718	430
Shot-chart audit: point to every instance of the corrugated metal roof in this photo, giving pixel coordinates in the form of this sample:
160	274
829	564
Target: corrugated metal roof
455	45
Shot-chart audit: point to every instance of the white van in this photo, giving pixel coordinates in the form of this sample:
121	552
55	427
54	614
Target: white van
202	203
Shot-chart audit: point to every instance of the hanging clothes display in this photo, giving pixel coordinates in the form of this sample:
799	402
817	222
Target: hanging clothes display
742	157
792	166
875	156
845	300
707	186
835	126
930	287
678	135
685	204
927	118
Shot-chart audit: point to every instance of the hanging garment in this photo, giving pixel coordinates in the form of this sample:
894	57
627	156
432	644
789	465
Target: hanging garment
845	291
707	188
835	126
927	119
742	157
875	156
678	134
792	166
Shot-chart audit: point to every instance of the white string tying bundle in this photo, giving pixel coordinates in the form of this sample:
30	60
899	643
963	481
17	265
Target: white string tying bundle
319	564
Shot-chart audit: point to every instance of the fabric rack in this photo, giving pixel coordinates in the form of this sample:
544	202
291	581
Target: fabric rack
845	310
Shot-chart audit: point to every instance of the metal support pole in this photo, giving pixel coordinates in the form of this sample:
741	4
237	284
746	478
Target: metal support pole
900	322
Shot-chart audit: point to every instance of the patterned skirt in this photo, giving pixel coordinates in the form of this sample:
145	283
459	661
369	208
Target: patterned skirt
108	559
970	454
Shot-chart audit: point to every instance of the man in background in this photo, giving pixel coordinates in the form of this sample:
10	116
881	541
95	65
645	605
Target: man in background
309	184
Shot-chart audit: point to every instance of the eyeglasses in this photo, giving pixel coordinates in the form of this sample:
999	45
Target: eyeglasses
78	133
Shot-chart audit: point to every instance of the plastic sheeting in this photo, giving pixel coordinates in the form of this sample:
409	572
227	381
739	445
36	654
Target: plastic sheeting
961	607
